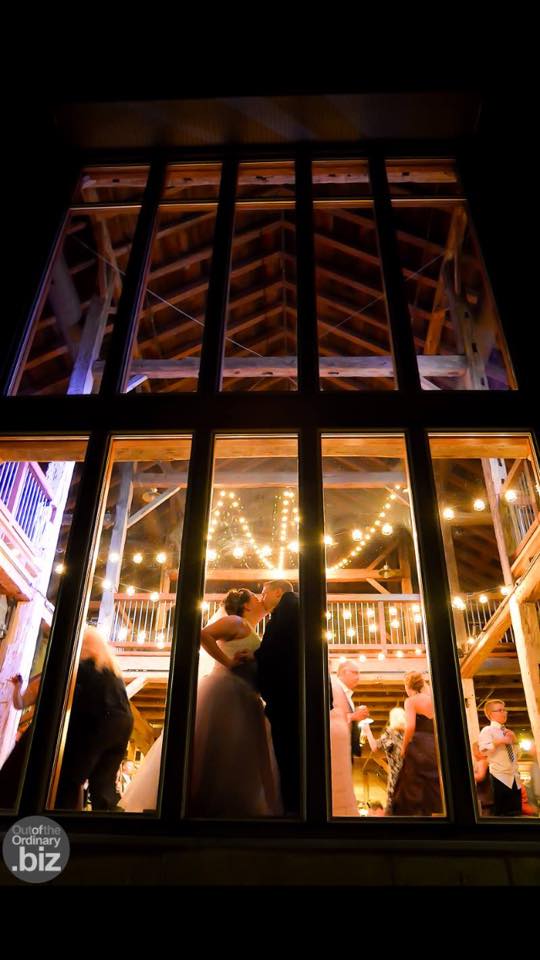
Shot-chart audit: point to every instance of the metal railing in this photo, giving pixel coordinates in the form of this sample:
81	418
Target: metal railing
25	494
365	621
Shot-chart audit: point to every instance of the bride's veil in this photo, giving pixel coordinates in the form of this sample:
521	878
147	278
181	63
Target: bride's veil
206	662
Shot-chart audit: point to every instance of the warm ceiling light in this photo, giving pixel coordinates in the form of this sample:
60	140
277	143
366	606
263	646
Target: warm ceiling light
448	513
356	534
418	652
328	540
505	591
130	591
60	568
107	584
154	596
458	603
114	557
137	558
387	529
479	504
211	554
511	496
161	557
482	598
238	553
294	546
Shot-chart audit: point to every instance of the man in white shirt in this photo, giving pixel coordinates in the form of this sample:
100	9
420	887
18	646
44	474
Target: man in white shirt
342	716
499	745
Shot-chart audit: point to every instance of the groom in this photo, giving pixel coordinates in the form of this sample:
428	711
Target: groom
278	673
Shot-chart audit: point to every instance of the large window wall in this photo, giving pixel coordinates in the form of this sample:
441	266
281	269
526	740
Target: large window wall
192	515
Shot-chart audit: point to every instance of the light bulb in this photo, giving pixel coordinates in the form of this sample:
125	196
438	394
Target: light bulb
211	554
505	591
482	598
356	534
154	596
107	584
60	568
205	605
371	614
266	551
418	652
372	627
418	618
395	624
479	505
329	635
380	656
114	557
351	632
130	591
137	558
141	636
458	604
293	546
399	653
511	496
392	611
328	540
161	557
238	553
448	513
347	614
387	529
122	633
525	744
362	657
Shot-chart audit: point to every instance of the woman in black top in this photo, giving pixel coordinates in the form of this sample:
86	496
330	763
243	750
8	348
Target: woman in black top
99	729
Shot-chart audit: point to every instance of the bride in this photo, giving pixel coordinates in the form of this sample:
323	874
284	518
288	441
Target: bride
234	770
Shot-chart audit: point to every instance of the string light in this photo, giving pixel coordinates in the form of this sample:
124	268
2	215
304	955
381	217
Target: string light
458	603
356	534
505	590
211	555
161	557
130	591
107	584
483	598
372	627
418	652
60	568
154	596
479	505
238	553
387	529
448	513
511	496
137	558
114	557
328	540
381	656
351	632
399	653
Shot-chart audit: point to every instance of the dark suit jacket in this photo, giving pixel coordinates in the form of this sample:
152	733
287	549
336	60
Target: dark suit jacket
277	657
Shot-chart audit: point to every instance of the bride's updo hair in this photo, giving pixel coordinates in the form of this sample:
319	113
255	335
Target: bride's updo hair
414	681
236	600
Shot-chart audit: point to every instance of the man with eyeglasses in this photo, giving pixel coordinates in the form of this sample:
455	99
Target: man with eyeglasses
499	745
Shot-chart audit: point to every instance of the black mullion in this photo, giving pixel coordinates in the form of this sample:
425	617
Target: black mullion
307	330
401	335
448	698
312	607
41	246
70	599
124	331
186	630
213	343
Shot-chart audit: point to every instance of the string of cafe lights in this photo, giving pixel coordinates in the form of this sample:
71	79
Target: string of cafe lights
380	525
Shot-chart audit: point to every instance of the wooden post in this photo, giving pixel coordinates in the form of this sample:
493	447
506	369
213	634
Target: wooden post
82	377
453	580
65	302
527	634
405	567
494	477
469	696
116	545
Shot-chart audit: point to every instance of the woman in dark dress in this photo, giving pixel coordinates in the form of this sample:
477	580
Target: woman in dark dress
417	791
99	729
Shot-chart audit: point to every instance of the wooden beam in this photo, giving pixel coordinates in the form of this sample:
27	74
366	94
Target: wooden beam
345	480
525	622
149	507
524	591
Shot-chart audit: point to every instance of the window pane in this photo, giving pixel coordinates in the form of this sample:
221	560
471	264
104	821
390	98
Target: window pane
38	485
423	178
245	757
112	184
354	339
72	330
457	333
260	342
118	696
376	635
489	499
167	351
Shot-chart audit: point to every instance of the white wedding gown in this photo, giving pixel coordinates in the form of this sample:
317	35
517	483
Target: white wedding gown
234	772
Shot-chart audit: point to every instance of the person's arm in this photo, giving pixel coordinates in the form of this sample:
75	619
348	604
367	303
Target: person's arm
480	769
410	724
230	628
370	738
29	697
